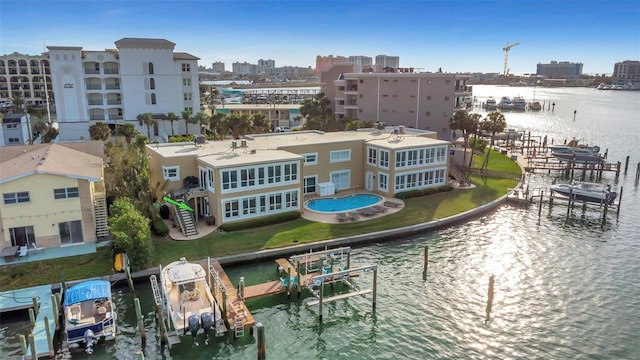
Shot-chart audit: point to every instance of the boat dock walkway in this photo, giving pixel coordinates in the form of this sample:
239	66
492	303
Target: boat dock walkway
22	299
235	306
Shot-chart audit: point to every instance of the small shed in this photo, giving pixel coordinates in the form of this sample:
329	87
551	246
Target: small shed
325	189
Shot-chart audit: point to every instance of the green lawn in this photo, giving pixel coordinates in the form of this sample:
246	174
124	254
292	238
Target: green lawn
416	211
497	162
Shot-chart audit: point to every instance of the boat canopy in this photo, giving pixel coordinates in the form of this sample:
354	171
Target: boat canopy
88	290
185	272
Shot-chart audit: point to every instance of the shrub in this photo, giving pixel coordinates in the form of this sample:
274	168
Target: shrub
164	212
445	188
160	227
267	220
430	191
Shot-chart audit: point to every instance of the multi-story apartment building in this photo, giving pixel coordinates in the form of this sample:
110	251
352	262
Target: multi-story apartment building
560	70
52	195
325	62
267	174
244	68
218	67
267	64
416	100
14	129
22	76
626	72
118	85
386	61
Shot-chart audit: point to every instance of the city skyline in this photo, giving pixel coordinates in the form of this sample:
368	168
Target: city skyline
456	36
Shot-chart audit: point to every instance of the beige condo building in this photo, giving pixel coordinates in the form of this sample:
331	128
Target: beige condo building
416	100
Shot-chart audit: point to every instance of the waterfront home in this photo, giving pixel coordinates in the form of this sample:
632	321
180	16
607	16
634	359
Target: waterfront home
52	195
265	174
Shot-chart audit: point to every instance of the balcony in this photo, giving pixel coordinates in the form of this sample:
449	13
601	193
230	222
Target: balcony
352	89
94	87
462	90
114	102
115	117
110	71
112	86
91	71
95	102
351	105
96	117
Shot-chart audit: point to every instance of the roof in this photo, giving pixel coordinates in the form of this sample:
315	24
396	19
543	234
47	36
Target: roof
74	160
144	43
87	290
184	56
264	148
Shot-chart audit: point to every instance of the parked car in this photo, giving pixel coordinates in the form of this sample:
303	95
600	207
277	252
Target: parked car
283	129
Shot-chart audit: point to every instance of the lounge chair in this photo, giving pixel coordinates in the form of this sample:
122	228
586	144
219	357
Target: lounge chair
342	217
23	252
354	216
36	248
392	204
379	209
366	211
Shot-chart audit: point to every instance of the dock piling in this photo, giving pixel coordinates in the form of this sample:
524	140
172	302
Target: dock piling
426	261
262	348
490	296
23	344
32	346
638	172
375	288
241	288
32	318
619	201
55	306
49	336
36	305
626	164
136	301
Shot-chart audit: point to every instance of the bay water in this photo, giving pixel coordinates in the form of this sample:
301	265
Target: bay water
565	287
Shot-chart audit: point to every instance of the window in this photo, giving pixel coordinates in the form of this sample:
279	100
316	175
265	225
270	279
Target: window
186	67
384	158
342	179
340	156
372	156
187	96
22	236
70	232
428	97
153	98
12	126
231	209
291	199
186	82
447	82
171	173
401	159
210	182
310	159
152	84
383	182
189	109
249	206
446	98
361	81
65	193
290	172
14	140
230	179
150	68
16	198
428	113
310	184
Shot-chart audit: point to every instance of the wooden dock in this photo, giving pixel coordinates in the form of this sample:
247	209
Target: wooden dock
236	308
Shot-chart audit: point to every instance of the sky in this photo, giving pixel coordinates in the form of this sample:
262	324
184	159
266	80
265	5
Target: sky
456	36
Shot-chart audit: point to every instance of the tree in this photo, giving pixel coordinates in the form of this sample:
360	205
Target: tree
128	130
131	233
317	113
17	101
127	173
147	120
188	119
99	131
260	124
467	123
217	124
172	117
494	122
238	124
202	119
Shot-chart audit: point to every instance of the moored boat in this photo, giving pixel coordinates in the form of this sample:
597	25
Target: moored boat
505	103
490	104
188	301
89	314
586	191
535	106
519	103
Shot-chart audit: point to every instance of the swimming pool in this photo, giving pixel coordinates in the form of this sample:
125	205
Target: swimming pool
341	204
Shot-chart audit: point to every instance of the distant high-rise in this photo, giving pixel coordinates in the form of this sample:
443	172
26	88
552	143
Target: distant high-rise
626	72
385	61
361	63
560	70
218	67
268	64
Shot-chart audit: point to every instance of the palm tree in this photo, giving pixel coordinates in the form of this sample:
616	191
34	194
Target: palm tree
467	123
148	120
17	100
260	124
188	119
172	117
99	131
494	122
128	130
202	119
238	124
217	124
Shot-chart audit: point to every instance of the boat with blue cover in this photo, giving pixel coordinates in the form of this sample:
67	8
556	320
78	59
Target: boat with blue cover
89	314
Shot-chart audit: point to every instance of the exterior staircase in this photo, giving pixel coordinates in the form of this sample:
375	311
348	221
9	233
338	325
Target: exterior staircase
457	172
186	221
100	210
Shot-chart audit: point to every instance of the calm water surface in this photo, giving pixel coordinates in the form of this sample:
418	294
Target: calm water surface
565	288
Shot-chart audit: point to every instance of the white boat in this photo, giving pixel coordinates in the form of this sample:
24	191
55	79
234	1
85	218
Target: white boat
518	196
508	134
535	106
505	103
519	103
188	301
577	153
490	104
586	191
89	314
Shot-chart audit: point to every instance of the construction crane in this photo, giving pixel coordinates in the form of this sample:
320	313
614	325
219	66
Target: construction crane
506	56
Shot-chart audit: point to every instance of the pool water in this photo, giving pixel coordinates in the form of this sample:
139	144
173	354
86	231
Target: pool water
341	204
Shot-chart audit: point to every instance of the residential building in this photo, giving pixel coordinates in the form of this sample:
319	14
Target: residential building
217	67
52	194
14	129
626	72
244	68
386	61
416	100
22	75
278	115
560	70
325	62
262	175
118	85
267	64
